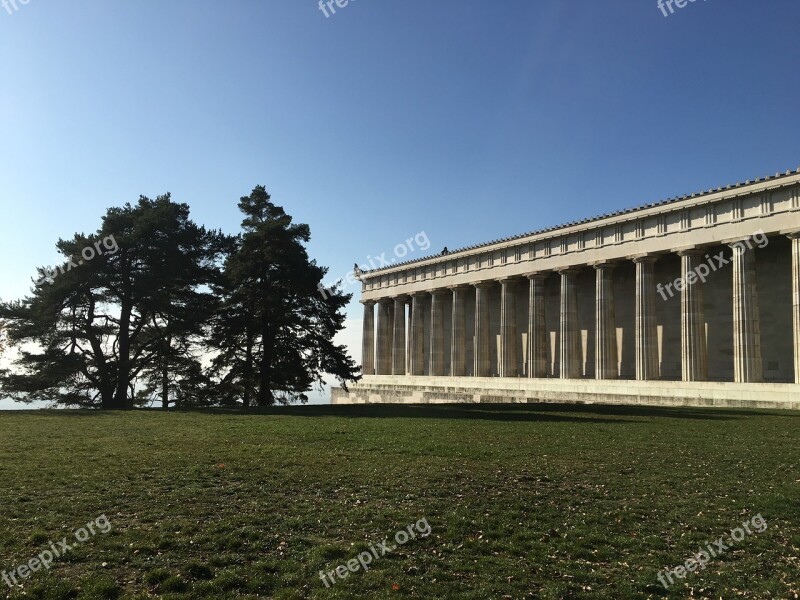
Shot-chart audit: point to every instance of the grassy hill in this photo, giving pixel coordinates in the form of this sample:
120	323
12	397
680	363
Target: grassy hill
525	501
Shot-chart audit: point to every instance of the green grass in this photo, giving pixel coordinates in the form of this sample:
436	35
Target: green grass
525	501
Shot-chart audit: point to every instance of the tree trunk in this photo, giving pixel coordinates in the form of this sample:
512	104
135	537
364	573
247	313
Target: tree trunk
124	372
248	369
265	397
164	386
165	374
107	397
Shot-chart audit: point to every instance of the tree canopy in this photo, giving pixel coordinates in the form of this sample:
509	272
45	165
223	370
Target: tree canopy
152	305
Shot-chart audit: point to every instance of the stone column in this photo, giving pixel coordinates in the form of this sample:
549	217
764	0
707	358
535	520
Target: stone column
417	334
570	350
646	329
748	366
508	329
368	339
458	349
384	345
537	328
481	352
399	337
694	352
436	367
795	237
410	303
605	339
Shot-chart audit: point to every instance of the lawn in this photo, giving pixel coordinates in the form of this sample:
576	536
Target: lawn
523	501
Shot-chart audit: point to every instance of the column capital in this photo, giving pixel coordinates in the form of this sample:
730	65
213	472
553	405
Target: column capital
418	294
368	302
539	276
604	264
483	284
509	280
401	298
459	287
693	251
644	258
569	271
739	247
438	292
793	235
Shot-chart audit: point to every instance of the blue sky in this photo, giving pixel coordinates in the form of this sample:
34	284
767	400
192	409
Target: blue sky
468	120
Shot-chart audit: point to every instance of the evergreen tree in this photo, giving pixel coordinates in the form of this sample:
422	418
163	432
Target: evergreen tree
274	332
102	324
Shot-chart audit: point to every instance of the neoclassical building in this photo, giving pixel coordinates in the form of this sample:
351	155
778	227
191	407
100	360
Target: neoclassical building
694	300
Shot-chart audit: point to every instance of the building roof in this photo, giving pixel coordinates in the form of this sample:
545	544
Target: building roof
617	213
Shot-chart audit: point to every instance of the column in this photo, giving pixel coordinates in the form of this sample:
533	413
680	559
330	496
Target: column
436	367
418	334
694	353
646	329
537	329
410	303
384	343
368	339
570	350
399	337
458	349
481	352
795	237
748	366
605	339
508	329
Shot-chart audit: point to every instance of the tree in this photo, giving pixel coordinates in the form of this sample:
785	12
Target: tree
274	332
104	323
180	319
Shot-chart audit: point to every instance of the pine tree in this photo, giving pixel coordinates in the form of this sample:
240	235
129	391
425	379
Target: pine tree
274	332
102	325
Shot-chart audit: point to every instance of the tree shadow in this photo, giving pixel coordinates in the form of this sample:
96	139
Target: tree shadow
606	413
541	412
483	411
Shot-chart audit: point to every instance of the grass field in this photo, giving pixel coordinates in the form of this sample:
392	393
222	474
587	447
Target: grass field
526	501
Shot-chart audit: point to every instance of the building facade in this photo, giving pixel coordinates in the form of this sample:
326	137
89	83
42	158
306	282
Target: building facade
695	300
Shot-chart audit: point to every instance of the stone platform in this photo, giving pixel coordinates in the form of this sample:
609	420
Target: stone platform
429	390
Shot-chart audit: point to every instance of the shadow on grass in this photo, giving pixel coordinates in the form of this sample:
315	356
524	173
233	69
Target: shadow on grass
493	412
555	412
587	413
516	412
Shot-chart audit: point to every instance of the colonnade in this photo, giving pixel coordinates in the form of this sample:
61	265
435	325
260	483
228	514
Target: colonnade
399	348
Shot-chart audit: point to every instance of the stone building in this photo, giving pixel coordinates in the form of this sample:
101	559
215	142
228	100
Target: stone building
691	301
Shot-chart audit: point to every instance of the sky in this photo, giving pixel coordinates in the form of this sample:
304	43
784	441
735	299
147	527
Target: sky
456	121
